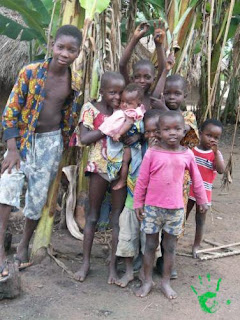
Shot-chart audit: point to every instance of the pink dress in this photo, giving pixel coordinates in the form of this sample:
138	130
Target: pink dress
113	124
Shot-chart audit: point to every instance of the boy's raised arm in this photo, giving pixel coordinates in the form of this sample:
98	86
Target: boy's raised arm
140	31
159	37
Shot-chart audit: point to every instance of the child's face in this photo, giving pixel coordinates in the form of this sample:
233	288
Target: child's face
143	76
65	50
174	94
172	130
111	93
210	136
129	100
151	129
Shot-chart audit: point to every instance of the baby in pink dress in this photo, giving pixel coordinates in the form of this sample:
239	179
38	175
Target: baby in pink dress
123	121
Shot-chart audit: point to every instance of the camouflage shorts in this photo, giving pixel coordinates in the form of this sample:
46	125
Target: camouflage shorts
39	169
157	219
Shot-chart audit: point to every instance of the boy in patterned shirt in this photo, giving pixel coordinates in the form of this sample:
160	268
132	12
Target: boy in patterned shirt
210	162
38	114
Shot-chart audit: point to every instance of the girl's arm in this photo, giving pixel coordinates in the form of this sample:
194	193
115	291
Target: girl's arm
142	181
89	136
138	34
159	37
218	161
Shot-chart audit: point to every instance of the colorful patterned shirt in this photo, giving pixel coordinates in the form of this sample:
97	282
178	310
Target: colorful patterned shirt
25	103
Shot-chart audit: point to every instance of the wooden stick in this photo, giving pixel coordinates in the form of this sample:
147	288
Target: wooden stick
215	244
184	254
219	247
220	255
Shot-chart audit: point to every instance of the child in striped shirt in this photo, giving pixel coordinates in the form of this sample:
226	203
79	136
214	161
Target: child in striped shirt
210	161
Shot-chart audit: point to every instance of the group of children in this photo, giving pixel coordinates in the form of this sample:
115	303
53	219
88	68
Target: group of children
139	146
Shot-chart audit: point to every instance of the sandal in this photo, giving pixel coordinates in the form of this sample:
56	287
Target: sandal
22	264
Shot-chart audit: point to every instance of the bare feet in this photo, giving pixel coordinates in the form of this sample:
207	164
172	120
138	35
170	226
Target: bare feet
124	281
167	290
121	184
113	277
195	248
144	290
82	273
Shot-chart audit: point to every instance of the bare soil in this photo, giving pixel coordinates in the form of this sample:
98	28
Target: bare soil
50	294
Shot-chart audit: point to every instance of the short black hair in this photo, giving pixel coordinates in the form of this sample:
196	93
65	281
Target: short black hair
171	114
152	114
134	87
69	30
110	75
144	62
177	78
214	122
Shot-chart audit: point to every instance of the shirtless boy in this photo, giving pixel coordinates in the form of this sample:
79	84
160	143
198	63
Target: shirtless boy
37	116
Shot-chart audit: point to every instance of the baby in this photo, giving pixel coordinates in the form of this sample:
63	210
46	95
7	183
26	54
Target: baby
125	121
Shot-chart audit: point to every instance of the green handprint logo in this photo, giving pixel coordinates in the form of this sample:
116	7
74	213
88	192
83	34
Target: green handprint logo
203	299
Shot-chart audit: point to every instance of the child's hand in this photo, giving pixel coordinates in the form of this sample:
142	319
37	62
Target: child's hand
129	140
170	61
140	213
116	137
141	30
159	32
12	159
215	148
203	208
159	103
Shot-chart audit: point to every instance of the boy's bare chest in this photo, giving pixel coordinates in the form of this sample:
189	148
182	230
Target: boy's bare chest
57	89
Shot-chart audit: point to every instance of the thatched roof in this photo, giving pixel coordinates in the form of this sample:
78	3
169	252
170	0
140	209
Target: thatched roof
14	54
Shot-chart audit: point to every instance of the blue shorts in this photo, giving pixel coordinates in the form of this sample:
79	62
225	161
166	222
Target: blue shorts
39	169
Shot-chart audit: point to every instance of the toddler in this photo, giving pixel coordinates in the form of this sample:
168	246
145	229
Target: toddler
209	161
158	199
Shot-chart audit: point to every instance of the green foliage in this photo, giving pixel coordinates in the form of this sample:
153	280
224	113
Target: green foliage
94	6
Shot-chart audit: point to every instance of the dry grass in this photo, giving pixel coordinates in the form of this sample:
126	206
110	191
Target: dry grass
14	54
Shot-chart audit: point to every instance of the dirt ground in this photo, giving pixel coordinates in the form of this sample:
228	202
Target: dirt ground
50	294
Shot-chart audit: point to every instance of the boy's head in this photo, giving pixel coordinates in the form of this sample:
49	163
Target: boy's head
143	74
131	97
151	124
172	128
111	88
210	133
67	44
175	91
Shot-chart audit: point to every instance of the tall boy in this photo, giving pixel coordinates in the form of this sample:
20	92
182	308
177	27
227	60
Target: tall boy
38	114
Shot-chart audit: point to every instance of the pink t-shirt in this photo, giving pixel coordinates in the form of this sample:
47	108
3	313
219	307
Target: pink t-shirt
160	180
113	124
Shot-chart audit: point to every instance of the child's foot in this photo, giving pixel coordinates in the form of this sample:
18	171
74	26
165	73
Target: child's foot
195	248
22	253
121	184
144	290
167	290
113	277
124	281
82	273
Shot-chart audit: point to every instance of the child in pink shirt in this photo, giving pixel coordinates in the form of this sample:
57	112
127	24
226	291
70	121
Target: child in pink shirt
158	197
